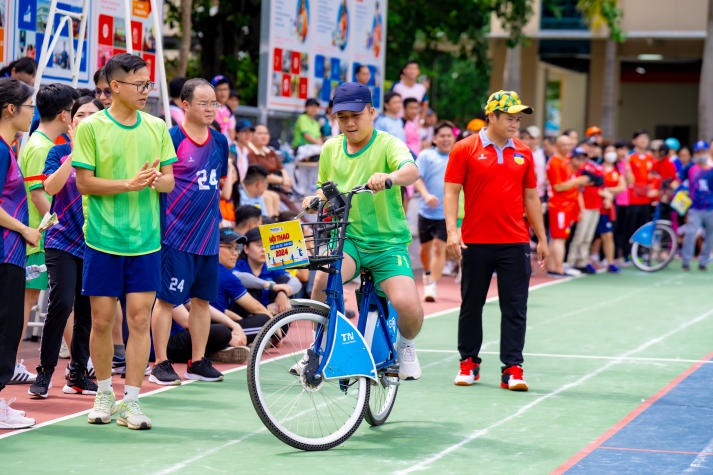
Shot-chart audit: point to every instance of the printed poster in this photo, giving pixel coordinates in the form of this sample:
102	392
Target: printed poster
314	45
284	244
23	24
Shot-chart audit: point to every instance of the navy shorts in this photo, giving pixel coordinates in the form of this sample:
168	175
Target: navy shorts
429	229
185	275
111	275
605	225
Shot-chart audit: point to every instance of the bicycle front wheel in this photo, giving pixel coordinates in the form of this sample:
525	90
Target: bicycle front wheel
382	396
664	244
304	414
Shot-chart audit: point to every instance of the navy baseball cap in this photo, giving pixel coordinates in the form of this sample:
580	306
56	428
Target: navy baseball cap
577	152
228	236
351	96
219	79
244	124
701	145
253	235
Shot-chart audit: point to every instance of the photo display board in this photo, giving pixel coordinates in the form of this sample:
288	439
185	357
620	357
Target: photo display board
23	29
314	45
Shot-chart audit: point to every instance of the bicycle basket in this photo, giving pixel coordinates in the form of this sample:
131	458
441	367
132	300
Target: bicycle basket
325	240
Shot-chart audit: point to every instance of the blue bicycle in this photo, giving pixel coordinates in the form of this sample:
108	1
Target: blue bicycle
313	385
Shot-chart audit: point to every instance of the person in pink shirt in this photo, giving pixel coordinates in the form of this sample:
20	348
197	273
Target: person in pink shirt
223	115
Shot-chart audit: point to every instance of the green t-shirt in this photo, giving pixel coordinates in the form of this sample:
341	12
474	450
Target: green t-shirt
377	220
126	224
305	125
32	163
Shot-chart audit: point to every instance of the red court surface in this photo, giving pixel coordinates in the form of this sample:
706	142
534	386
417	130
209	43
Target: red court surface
58	404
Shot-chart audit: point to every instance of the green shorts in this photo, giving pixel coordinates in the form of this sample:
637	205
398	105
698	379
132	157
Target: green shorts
39	282
382	264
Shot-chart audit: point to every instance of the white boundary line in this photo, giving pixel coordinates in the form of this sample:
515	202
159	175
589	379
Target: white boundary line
425	463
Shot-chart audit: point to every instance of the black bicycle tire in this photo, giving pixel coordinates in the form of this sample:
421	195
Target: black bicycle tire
373	418
276	427
661	265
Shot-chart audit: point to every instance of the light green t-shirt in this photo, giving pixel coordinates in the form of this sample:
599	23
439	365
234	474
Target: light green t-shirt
126	224
32	163
377	220
305	125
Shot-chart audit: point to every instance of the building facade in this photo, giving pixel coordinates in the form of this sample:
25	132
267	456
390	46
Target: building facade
656	70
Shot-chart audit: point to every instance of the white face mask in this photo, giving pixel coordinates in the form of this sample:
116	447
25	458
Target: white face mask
611	157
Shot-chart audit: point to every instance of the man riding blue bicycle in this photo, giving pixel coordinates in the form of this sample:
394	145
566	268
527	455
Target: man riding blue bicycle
378	234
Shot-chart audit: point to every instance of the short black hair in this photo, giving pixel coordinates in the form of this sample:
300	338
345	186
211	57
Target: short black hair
99	74
311	102
13	92
189	88
245	212
410	100
360	67
638	132
84	91
25	65
52	99
447	124
124	62
390	95
175	86
255	173
81	100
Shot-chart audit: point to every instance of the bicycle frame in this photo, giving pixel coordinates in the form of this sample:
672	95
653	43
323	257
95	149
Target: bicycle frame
644	235
348	351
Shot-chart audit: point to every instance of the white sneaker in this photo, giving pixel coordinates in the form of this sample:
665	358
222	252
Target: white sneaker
132	416
429	292
22	376
426	279
571	271
298	368
409	368
12	418
104	407
64	350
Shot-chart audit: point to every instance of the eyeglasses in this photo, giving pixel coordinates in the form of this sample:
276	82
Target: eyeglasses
98	92
205	104
141	87
231	248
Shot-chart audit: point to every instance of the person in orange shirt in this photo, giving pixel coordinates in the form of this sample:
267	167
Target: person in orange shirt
639	166
564	203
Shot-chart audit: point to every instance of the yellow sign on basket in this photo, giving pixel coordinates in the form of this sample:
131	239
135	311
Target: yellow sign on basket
284	245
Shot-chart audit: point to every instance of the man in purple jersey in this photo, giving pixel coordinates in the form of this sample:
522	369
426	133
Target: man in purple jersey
191	219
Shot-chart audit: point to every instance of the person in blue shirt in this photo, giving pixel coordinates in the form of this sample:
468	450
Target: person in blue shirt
431	219
190	216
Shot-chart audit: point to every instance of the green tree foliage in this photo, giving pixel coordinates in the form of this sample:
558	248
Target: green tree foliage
227	36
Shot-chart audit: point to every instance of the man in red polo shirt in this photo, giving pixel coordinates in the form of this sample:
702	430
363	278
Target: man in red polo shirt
497	175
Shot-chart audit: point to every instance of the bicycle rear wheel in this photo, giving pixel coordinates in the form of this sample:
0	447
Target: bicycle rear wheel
303	415
382	396
664	244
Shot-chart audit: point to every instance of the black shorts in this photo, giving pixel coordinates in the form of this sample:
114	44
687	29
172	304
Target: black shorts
428	229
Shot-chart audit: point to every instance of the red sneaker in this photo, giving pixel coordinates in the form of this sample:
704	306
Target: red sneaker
512	379
469	373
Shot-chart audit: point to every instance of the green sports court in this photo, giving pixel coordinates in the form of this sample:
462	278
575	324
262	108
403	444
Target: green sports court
620	382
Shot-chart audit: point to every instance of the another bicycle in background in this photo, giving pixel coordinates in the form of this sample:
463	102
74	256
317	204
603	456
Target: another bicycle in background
313	385
654	245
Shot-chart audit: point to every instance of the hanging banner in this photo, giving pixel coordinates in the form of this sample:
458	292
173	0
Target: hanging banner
314	45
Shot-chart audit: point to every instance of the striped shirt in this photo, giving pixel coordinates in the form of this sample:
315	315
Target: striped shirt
191	212
67	234
14	202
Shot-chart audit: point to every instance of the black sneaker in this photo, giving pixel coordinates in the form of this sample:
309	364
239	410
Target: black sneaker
202	370
41	387
80	384
163	374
